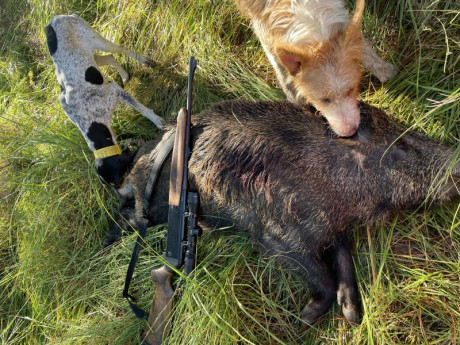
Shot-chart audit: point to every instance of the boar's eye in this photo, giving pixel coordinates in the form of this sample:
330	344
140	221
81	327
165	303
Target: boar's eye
326	100
401	149
350	92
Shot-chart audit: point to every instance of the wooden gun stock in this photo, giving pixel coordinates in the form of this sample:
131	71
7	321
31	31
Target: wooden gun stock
161	307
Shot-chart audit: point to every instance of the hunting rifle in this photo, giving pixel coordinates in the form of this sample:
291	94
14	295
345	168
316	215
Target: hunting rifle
183	208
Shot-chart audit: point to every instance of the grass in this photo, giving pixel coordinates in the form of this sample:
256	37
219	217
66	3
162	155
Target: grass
57	286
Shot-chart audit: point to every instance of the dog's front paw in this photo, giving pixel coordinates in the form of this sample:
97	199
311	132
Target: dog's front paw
148	62
126	78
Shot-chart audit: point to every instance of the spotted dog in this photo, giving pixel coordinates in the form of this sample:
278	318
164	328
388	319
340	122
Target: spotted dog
86	96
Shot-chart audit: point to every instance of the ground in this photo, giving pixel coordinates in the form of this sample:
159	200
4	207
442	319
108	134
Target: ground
57	284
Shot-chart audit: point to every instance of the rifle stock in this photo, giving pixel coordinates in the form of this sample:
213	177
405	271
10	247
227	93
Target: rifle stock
160	309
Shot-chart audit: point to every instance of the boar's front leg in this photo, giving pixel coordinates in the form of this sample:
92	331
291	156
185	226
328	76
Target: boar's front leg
294	256
321	284
347	289
125	220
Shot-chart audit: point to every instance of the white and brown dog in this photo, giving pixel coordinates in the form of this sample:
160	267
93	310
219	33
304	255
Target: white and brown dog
87	98
317	53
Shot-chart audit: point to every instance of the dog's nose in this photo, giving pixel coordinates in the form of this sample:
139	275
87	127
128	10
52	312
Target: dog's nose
348	131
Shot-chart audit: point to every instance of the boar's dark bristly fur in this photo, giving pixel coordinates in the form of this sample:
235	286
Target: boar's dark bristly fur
276	170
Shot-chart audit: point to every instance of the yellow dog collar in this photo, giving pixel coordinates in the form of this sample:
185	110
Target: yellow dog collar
107	152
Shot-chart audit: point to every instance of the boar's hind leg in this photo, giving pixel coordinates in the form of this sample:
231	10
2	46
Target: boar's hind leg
311	267
347	289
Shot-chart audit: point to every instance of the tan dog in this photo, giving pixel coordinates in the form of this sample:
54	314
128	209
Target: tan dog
317	53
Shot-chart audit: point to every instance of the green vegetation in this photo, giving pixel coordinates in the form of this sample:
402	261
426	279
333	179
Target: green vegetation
57	285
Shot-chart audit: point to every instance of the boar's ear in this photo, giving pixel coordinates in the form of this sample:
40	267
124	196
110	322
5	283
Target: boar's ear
292	58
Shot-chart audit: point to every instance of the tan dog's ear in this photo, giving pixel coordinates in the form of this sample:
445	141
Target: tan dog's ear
293	58
354	28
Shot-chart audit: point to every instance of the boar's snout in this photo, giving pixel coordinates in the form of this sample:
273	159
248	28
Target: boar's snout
456	171
456	174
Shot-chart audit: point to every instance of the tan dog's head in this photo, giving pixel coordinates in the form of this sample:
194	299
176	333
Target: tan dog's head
328	74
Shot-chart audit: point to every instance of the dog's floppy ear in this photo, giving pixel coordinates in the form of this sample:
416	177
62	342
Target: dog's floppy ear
293	58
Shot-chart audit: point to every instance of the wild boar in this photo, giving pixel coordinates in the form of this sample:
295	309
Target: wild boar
278	171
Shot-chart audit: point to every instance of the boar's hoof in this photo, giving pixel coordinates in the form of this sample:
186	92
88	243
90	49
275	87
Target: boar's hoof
111	236
347	297
351	313
315	308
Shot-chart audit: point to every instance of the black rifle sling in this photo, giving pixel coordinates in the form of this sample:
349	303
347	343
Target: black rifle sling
160	158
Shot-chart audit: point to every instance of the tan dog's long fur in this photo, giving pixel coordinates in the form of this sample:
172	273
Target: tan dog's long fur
317	53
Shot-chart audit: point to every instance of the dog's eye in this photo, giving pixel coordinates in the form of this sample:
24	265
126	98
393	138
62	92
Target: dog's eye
326	100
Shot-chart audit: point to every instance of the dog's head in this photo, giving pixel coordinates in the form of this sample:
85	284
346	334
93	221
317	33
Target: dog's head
112	170
328	74
112	164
